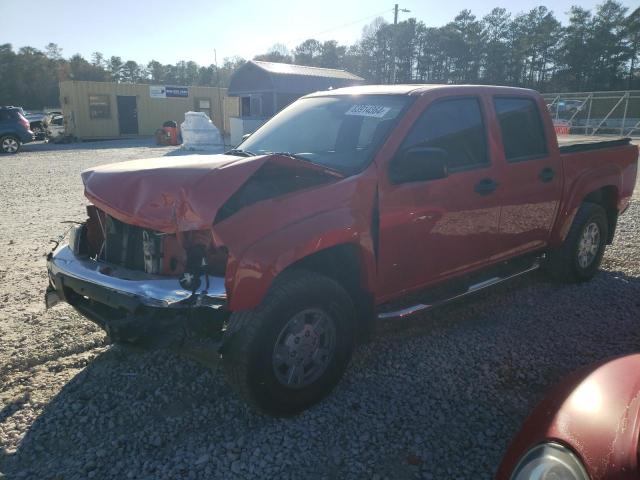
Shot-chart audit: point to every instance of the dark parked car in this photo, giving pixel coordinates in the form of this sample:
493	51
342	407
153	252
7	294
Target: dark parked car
14	130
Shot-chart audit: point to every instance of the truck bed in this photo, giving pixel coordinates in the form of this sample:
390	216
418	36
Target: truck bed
591	164
580	143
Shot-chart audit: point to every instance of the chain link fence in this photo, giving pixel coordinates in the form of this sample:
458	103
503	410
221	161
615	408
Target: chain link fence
596	113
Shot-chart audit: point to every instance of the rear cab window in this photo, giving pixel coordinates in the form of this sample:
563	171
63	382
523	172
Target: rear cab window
521	128
455	125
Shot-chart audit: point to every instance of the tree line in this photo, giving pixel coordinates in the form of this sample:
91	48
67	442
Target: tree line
30	77
594	51
597	50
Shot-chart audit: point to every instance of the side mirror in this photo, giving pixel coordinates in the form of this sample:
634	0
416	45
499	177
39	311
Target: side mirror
418	164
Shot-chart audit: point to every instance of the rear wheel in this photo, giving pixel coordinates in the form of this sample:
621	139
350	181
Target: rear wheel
292	350
579	257
9	144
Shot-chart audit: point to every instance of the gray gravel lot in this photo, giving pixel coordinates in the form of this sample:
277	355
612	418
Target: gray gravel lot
439	398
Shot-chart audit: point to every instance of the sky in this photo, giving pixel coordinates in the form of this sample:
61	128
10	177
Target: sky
169	31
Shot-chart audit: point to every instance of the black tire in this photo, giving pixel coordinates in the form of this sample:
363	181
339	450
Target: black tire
38	130
10	144
248	357
564	264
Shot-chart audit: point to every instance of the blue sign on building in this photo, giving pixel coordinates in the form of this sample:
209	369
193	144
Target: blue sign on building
177	91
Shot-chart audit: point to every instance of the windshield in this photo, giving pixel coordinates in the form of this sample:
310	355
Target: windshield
341	132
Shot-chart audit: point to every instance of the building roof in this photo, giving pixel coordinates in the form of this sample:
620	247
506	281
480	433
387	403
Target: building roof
256	76
305	71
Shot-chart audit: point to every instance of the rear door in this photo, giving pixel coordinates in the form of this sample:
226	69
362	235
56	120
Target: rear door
533	176
435	229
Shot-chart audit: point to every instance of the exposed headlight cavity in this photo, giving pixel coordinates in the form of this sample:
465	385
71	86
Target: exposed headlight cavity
549	461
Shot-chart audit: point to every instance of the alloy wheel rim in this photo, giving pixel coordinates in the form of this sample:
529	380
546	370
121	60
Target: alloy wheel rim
10	145
588	245
304	348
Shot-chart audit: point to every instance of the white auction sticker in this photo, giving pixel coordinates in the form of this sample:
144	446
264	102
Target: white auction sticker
377	111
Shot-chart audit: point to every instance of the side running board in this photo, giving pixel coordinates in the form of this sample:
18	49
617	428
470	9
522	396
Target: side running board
476	287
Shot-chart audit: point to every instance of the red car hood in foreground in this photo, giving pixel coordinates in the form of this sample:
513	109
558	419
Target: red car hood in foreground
595	412
172	194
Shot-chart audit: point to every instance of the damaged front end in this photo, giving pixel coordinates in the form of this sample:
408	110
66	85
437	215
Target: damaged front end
141	286
149	263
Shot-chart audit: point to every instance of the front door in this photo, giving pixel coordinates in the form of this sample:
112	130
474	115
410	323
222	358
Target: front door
127	115
436	229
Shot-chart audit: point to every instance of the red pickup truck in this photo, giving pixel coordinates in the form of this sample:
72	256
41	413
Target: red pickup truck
361	203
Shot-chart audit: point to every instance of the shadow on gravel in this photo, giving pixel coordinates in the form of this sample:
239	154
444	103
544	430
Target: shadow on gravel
93	145
438	399
12	407
8	410
120	143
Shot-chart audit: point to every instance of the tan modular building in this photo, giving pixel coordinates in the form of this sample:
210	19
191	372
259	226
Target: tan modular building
94	110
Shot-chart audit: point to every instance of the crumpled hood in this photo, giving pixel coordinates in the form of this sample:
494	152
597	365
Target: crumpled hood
168	194
183	193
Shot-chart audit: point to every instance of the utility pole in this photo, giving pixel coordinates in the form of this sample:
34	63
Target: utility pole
220	105
395	22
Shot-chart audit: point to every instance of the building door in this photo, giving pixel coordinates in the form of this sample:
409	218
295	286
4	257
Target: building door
251	106
128	115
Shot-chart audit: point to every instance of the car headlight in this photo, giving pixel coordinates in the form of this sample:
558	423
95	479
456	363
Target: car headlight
549	461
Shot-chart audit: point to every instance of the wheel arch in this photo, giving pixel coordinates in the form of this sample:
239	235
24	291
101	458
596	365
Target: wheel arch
607	197
334	244
343	264
601	186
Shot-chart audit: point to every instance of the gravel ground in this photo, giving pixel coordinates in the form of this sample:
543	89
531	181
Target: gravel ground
438	398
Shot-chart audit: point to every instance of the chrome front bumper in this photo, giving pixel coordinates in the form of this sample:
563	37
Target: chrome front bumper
67	270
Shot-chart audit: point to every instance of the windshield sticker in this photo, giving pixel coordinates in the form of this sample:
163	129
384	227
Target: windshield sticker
377	111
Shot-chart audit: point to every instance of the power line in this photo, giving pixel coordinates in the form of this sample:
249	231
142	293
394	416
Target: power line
341	26
352	23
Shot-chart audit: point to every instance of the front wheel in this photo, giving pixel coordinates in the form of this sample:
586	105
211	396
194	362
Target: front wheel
9	144
291	351
579	257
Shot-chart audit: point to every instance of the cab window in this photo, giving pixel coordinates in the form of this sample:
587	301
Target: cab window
521	128
456	126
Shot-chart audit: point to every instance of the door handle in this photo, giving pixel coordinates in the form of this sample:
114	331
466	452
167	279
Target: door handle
546	175
486	186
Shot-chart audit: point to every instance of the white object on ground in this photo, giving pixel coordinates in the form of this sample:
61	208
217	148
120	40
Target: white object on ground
199	133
